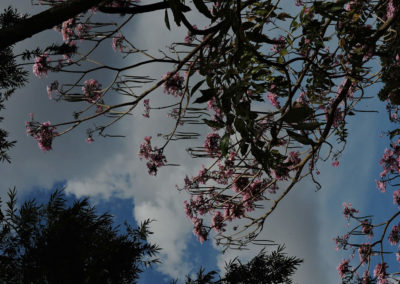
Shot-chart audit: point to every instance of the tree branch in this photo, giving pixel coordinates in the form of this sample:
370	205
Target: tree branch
45	20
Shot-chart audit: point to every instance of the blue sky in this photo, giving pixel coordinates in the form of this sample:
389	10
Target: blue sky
110	172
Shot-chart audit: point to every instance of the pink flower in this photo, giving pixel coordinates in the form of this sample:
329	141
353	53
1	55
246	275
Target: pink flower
199	230
218	222
189	36
173	85
390	9
394	236
380	273
381	185
82	30
367	228
53	87
92	90
212	144
273	98
155	156
343	267
67	29
41	65
117	43
90	140
146	104
396	197
335	163
348	210
43	133
364	252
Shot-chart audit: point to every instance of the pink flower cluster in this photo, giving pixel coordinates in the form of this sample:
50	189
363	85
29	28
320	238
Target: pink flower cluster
380	273
155	156
173	85
273	99
146	105
118	43
367	228
41	65
189	38
43	133
391	166
212	144
53	87
390	9
343	268
92	90
364	251
348	210
394	236
71	30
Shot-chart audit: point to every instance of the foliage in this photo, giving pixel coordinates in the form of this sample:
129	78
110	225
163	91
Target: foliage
273	268
58	243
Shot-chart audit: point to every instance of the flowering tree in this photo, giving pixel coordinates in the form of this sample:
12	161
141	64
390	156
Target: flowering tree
274	86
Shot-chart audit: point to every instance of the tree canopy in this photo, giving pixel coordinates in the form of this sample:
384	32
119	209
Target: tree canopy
276	87
61	243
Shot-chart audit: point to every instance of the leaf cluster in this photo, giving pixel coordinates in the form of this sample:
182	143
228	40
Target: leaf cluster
58	243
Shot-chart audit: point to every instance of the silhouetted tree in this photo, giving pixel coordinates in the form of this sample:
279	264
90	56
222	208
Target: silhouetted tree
58	243
273	268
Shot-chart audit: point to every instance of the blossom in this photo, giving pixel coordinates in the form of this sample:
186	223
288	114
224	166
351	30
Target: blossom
380	273
335	163
82	30
343	267
173	85
364	251
341	242
367	228
146	104
41	65
218	222
92	90
155	156
53	87
273	98
189	36
199	230
394	236
67	29
348	210
89	140
390	9
117	43
43	133
396	197
381	185
212	144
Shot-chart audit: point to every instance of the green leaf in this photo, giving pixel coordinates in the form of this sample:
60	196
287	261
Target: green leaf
243	148
297	114
202	8
166	19
206	96
174	5
195	87
240	126
224	144
300	138
213	123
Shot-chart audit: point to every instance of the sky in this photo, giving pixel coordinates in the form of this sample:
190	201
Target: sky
111	174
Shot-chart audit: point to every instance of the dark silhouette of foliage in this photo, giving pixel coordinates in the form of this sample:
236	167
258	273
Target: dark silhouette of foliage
273	268
57	243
